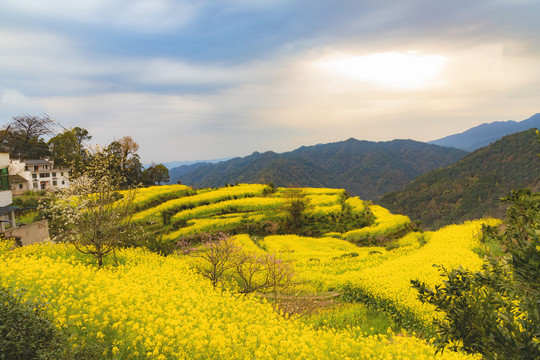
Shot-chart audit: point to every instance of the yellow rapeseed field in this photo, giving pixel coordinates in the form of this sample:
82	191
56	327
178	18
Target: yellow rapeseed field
203	197
152	307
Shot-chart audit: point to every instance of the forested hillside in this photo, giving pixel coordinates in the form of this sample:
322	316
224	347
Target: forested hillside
470	188
364	168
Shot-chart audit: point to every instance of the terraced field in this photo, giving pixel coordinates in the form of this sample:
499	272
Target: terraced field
184	212
155	307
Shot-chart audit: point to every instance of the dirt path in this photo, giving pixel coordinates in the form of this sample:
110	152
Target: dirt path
304	304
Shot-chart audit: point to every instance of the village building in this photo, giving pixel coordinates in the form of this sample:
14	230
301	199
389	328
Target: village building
7	213
35	175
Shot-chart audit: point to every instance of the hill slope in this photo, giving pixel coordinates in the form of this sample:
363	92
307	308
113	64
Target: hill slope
485	134
471	187
366	169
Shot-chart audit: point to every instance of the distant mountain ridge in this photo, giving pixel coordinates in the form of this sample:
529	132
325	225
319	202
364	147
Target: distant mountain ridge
470	188
173	164
365	168
485	134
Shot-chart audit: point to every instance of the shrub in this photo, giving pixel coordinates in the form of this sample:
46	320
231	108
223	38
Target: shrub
495	311
25	332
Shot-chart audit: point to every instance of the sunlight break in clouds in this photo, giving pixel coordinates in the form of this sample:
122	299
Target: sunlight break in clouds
406	71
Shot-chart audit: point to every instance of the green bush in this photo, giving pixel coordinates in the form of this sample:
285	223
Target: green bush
27	201
25	332
495	311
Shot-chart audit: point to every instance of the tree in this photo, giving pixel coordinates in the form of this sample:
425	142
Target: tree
221	260
67	148
217	256
495	311
22	137
91	214
82	136
295	206
126	159
155	174
128	147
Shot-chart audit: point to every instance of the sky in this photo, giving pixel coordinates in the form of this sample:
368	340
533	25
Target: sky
209	79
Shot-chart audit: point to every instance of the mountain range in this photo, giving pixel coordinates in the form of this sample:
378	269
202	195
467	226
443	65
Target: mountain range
436	182
365	168
471	188
483	135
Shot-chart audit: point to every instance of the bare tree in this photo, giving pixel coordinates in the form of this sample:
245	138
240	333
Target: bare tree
217	256
128	147
221	260
34	126
280	274
25	131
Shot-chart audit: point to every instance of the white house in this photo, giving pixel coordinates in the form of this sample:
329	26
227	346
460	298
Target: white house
7	215
36	175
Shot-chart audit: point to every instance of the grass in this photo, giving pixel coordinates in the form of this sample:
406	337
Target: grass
347	315
26	217
489	246
329	311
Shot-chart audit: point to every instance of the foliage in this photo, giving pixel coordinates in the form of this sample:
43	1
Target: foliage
387	227
155	195
125	160
246	204
209	196
296	203
294	247
67	148
258	210
155	174
495	311
29	199
25	331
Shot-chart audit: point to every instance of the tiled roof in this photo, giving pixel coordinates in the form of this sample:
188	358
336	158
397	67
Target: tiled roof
37	162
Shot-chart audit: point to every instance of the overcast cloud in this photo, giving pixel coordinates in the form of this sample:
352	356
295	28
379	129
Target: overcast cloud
218	78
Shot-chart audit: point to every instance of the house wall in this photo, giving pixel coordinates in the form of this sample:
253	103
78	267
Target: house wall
21	188
4	160
16	167
6	198
31	234
39	177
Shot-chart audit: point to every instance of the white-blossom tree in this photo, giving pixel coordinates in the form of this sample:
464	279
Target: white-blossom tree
91	214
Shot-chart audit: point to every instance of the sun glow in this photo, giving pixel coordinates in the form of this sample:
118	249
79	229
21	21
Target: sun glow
389	69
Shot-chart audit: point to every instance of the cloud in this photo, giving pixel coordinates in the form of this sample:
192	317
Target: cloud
45	63
50	64
165	126
208	79
13	103
133	15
